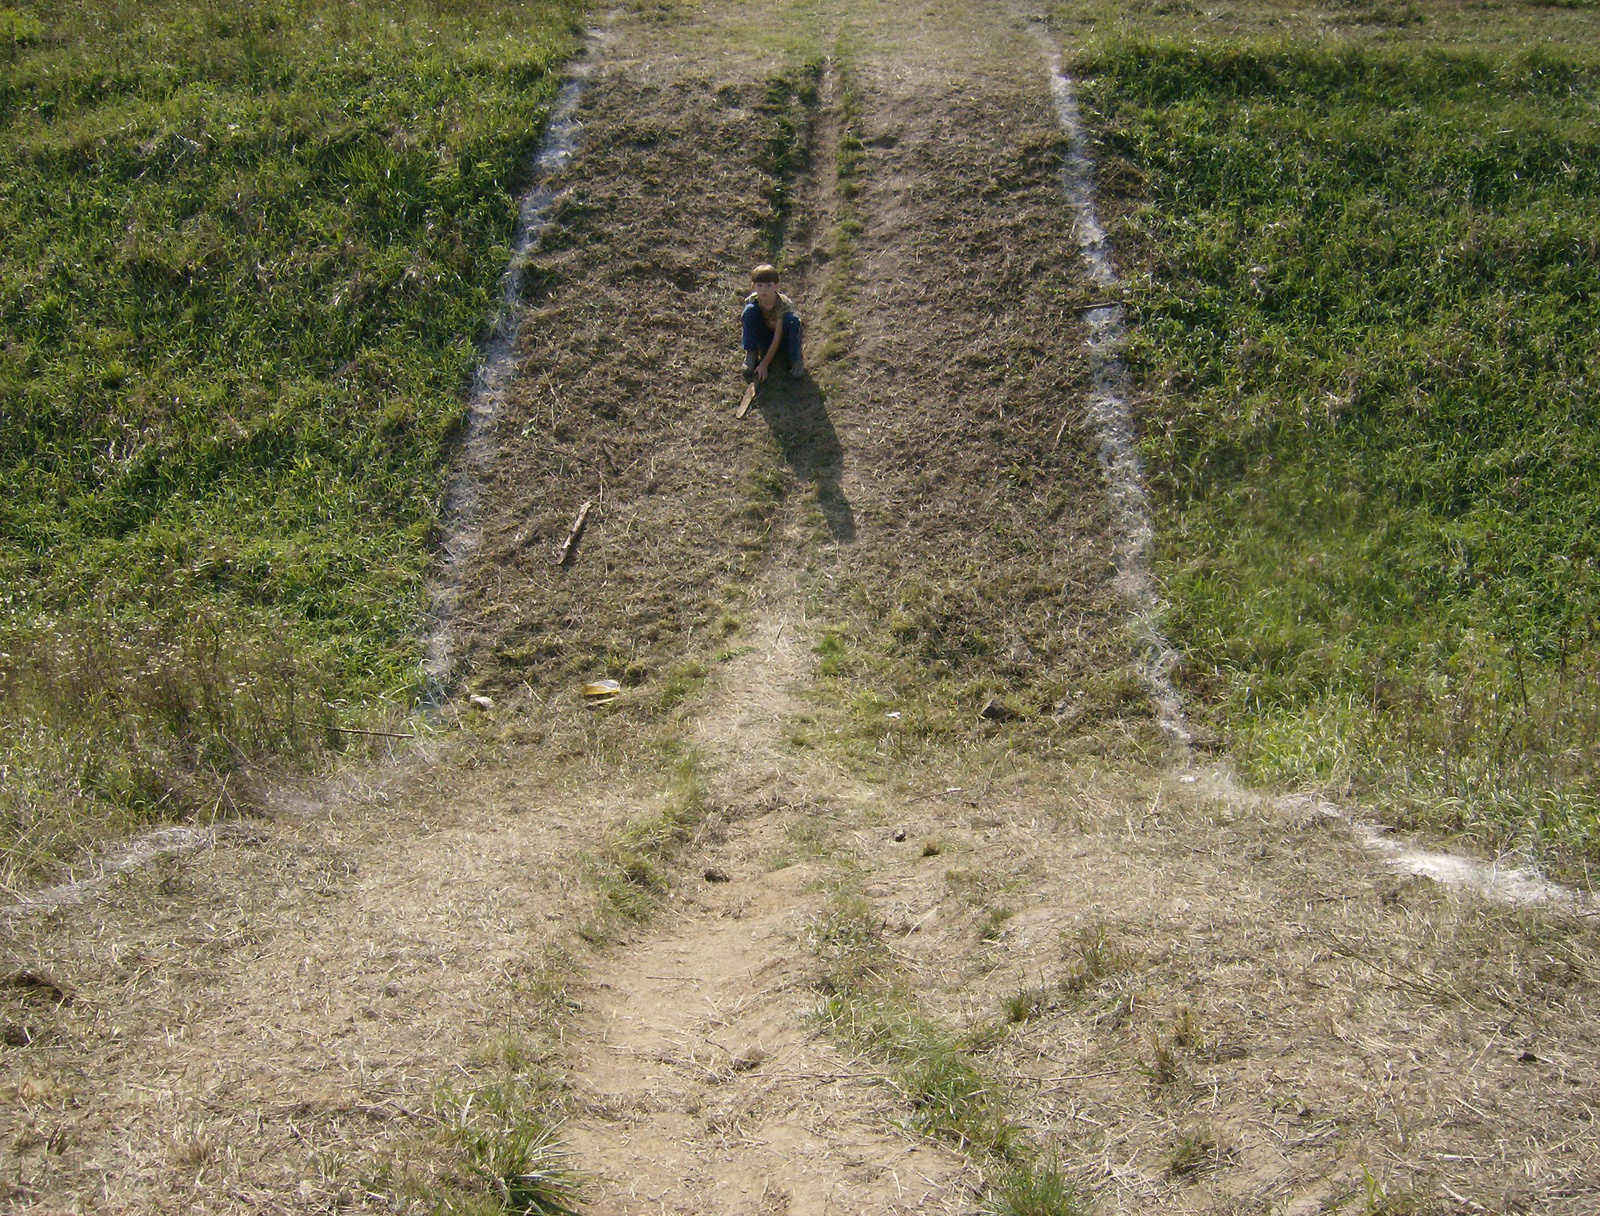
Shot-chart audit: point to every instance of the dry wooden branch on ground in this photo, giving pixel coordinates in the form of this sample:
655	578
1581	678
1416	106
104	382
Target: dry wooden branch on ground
564	554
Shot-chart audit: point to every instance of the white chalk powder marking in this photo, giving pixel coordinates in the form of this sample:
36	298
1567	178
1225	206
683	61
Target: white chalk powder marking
1108	410
163	842
495	372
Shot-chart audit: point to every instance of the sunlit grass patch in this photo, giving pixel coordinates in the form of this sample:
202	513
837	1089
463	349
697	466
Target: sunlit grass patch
1366	319
629	874
1040	1189
950	1096
942	1082
509	1145
681	682
248	251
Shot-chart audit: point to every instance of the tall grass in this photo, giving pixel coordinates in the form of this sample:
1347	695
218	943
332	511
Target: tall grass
511	1147
247	250
1369	331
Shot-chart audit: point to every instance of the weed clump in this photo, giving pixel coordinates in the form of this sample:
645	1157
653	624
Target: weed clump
1093	956
1037	1190
939	1076
509	1145
848	941
1027	1003
993	925
1194	1152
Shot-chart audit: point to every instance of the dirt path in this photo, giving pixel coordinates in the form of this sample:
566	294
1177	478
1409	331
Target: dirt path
1188	999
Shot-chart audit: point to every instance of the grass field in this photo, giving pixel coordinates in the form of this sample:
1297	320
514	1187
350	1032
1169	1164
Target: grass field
246	251
1363	266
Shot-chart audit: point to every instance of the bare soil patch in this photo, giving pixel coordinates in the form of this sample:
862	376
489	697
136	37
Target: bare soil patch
705	1085
1204	1007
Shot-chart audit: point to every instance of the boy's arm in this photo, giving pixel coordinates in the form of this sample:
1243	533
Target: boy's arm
777	340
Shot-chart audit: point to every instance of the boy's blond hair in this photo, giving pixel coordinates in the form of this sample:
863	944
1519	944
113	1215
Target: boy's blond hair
764	274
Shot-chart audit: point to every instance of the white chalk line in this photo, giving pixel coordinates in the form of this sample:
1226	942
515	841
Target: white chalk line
140	851
1108	410
496	370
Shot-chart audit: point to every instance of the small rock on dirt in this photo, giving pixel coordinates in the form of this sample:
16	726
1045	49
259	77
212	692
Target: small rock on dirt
713	874
997	711
482	702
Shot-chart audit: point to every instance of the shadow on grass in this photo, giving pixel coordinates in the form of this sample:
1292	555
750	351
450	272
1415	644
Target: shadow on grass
796	411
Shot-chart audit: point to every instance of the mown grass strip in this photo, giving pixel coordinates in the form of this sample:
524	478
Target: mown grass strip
248	250
1368	329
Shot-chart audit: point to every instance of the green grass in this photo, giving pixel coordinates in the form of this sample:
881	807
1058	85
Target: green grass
948	1093
922	652
942	1083
841	276
247	251
505	1134
1367	327
786	112
1038	1189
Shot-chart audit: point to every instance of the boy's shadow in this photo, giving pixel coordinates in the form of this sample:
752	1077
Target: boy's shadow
797	413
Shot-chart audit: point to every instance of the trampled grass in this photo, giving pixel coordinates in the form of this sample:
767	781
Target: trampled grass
1364	269
247	250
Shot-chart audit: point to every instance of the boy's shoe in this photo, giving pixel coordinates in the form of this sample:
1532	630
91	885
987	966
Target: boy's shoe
797	371
750	362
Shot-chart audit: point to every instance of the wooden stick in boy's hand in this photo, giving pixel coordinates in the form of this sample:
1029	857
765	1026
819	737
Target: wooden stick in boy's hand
744	402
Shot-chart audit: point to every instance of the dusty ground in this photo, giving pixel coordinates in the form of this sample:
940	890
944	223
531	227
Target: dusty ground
1193	1000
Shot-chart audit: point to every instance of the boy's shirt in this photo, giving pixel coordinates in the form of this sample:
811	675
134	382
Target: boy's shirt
781	306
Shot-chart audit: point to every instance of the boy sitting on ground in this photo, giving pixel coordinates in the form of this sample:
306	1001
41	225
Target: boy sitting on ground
770	323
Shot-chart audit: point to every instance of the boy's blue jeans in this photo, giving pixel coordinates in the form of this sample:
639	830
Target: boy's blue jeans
758	334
